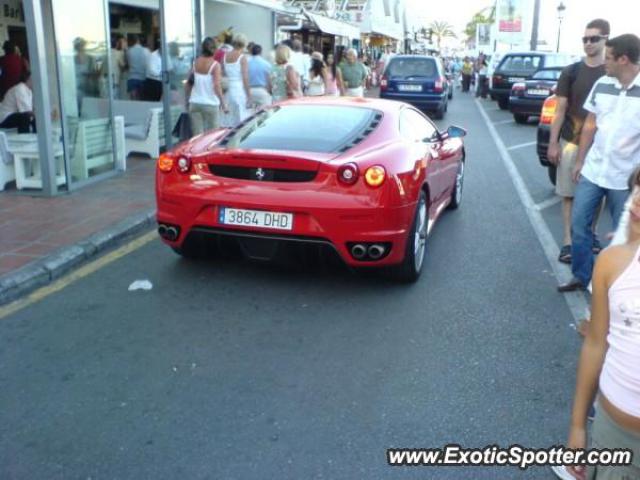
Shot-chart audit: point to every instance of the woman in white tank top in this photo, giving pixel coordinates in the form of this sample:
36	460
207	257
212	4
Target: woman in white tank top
610	358
204	91
236	69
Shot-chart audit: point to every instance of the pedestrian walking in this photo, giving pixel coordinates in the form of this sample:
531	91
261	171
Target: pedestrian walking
259	78
333	77
481	68
609	150
574	84
467	72
137	58
353	74
203	91
285	81
238	96
317	79
610	357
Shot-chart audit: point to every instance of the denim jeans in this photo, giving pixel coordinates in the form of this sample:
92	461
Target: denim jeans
586	201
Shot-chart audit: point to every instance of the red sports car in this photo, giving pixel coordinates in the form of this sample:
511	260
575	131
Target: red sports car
366	177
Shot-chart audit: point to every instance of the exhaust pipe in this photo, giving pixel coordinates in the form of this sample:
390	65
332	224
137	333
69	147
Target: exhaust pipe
172	233
358	251
162	230
376	251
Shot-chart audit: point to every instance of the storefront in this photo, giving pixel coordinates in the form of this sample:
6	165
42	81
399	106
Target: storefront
86	122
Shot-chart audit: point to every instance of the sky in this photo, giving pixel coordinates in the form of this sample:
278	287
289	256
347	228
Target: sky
622	14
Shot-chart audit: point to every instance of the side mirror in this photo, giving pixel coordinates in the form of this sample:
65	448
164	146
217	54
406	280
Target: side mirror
456	132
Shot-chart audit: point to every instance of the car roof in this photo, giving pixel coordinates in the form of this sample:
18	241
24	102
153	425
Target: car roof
413	56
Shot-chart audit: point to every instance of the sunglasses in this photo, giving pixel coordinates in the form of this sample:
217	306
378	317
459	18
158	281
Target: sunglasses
593	39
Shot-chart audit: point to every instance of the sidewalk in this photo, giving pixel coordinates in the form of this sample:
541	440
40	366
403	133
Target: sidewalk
42	238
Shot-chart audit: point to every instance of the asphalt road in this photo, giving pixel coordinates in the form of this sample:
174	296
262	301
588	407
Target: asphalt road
237	370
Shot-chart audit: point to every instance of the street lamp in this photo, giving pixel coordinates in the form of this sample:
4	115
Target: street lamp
561	8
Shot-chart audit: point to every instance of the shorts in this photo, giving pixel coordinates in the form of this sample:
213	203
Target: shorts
608	434
565	186
133	84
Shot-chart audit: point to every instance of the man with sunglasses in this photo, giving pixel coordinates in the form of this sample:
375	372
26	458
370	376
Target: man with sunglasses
574	85
609	150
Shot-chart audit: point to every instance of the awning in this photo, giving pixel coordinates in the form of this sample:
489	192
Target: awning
332	26
273	5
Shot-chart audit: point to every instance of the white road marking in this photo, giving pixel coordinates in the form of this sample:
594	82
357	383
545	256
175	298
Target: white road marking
522	145
502	122
549	202
575	300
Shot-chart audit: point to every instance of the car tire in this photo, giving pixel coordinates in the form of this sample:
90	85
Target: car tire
416	245
552	172
503	103
456	194
520	118
450	95
439	114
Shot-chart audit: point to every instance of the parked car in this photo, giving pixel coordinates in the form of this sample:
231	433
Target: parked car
547	114
520	67
526	98
419	80
366	178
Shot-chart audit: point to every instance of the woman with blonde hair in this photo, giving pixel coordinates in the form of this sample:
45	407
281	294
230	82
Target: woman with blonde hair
204	92
236	69
285	81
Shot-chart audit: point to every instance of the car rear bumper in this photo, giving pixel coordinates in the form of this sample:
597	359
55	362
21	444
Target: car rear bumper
525	106
316	220
500	92
430	102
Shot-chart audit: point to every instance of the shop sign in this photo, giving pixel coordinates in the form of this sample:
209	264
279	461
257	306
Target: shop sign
13	10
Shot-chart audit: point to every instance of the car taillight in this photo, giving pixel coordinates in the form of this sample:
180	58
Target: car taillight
183	165
383	83
497	79
374	176
165	163
438	87
548	110
518	89
348	173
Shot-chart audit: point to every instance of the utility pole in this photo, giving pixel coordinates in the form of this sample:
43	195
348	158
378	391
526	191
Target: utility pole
534	26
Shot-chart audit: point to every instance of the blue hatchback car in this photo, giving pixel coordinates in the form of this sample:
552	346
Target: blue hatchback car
416	79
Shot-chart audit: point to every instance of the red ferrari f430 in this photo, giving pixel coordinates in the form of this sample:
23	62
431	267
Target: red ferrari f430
366	177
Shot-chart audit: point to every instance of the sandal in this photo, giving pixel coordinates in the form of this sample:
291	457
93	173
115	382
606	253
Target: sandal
565	254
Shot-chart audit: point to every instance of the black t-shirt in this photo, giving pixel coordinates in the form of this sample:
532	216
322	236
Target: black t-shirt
575	85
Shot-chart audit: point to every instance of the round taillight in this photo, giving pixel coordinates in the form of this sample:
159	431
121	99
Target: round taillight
184	164
374	176
348	173
165	163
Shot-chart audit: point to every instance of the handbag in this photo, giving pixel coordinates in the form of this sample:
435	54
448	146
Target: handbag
182	128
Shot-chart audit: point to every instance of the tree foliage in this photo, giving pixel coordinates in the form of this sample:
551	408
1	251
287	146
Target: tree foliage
486	15
441	30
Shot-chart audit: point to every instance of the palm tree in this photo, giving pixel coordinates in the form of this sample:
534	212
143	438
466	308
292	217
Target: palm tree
441	30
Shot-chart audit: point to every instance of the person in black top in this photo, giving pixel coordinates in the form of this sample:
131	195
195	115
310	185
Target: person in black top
574	85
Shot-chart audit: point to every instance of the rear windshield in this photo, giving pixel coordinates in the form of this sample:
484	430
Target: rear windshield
521	63
307	128
412	67
558	60
547	75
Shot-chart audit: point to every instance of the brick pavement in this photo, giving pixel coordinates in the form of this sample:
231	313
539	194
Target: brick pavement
31	228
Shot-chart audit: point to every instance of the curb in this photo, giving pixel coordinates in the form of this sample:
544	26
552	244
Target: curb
41	272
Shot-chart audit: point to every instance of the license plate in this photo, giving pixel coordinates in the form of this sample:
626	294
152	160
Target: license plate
538	91
255	218
410	88
516	79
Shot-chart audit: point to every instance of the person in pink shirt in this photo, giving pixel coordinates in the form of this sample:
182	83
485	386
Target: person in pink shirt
610	360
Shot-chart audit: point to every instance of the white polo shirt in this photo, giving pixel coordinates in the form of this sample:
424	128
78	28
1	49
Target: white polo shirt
616	146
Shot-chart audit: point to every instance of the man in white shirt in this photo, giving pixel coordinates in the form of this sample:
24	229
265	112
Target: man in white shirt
153	82
16	109
298	62
611	136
